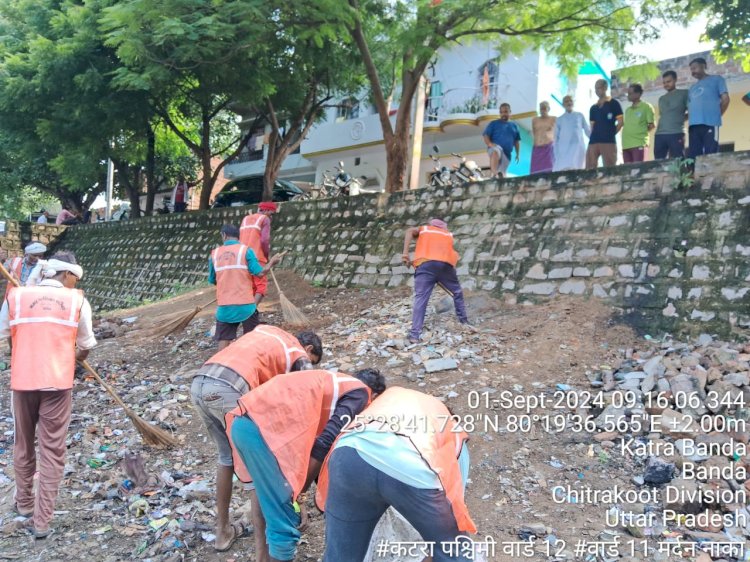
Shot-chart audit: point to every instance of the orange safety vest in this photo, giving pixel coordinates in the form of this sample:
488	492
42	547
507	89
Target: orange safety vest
43	330
260	355
234	284
428	424
435	244
16	268
291	411
250	230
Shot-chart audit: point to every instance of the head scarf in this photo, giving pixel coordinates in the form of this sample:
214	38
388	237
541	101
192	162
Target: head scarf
53	267
35	248
439	224
267	206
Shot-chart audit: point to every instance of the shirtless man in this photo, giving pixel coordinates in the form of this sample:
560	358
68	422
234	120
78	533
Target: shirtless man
543	128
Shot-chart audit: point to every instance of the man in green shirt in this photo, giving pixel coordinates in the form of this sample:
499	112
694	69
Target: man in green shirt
231	267
669	139
639	120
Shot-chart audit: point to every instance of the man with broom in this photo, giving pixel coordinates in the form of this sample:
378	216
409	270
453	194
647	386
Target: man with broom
250	361
231	268
281	432
45	324
435	264
255	233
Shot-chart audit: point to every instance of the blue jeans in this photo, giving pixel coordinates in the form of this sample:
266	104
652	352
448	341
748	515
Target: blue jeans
273	490
426	276
358	496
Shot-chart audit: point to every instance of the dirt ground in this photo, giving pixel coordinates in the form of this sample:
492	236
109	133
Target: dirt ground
525	349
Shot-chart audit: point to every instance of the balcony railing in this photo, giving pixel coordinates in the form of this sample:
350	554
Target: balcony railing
459	100
247	156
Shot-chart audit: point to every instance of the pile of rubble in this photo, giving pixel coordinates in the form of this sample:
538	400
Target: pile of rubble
681	411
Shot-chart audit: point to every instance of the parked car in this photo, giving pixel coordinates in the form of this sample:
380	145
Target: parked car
249	191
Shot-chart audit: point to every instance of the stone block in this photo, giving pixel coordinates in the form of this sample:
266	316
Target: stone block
573	287
536	272
616	252
626	270
581	272
539	289
561	273
701	272
604	271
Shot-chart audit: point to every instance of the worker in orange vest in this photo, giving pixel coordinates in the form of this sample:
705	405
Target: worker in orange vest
45	323
255	233
281	432
27	270
406	451
435	263
231	268
252	360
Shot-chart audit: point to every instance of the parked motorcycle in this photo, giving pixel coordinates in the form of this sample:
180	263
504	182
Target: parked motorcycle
441	177
466	171
346	183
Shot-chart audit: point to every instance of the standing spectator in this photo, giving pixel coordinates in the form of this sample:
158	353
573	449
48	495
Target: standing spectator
180	195
501	136
570	146
65	215
543	129
639	120
606	121
42	367
43	218
231	268
669	139
708	99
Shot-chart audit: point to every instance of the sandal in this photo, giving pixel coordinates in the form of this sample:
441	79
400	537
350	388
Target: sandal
240	531
48	532
21	513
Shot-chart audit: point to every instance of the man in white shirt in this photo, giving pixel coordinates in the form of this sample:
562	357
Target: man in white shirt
43	218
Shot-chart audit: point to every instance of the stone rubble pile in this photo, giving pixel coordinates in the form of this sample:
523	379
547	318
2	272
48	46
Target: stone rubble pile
681	411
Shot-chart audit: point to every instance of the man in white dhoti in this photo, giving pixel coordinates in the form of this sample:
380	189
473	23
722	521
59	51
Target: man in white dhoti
570	146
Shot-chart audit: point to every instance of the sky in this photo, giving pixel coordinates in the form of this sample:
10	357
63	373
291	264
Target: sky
675	41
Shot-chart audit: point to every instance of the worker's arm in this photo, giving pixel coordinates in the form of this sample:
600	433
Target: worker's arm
265	237
256	269
724	103
302	364
5	321
85	339
411	234
620	122
347	408
211	272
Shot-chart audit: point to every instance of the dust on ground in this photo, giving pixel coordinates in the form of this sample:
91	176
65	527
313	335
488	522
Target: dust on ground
526	349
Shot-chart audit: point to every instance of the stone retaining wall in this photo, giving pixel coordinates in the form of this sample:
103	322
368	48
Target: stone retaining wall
670	259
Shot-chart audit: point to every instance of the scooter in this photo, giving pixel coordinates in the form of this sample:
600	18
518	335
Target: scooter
466	171
441	177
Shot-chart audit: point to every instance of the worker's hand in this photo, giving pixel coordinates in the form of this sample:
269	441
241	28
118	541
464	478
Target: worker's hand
275	260
518	157
405	260
304	518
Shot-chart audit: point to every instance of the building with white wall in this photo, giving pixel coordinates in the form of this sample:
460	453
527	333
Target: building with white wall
457	111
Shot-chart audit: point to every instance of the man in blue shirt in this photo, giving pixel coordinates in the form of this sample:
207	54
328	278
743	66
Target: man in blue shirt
708	99
501	136
231	270
606	117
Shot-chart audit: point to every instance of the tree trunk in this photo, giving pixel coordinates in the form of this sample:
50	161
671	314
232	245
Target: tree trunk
207	182
131	186
150	169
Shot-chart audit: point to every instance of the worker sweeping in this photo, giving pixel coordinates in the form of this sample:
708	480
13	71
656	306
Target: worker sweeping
405	451
255	233
280	434
435	263
45	324
27	270
252	360
231	268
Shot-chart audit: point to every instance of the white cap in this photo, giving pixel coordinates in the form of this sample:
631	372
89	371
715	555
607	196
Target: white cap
35	248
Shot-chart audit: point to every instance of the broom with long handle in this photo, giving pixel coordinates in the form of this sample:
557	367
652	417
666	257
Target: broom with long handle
152	435
292	314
